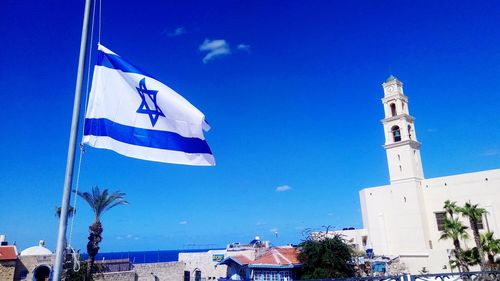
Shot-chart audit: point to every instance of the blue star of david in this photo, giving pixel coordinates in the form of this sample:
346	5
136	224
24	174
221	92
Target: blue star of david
145	108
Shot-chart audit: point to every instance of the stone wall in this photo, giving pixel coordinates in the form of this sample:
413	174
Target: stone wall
27	264
115	276
203	262
7	269
161	271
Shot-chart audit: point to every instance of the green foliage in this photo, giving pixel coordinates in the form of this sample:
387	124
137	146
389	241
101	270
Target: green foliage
471	256
79	275
325	257
453	229
451	208
474	213
491	247
71	211
101	201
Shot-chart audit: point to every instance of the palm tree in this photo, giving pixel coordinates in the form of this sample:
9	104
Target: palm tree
451	208
71	210
454	230
491	247
70	213
99	202
474	213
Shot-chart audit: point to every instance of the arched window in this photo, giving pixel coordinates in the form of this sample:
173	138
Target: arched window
393	109
409	131
396	133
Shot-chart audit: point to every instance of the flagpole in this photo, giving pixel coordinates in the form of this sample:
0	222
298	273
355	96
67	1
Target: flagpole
68	178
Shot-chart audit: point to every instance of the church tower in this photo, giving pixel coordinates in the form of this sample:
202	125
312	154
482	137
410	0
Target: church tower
401	144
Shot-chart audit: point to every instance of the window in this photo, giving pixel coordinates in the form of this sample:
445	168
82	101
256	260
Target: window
396	133
440	217
409	131
267	276
187	275
480	224
197	275
365	240
393	109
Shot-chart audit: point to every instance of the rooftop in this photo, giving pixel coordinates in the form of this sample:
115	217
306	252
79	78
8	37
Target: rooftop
8	253
391	78
39	250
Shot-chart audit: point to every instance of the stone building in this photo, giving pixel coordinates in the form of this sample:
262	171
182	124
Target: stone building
35	263
404	218
274	263
8	259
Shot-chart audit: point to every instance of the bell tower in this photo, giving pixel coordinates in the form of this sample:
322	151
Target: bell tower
401	144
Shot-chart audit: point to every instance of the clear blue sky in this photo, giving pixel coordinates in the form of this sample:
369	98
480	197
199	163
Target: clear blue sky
296	104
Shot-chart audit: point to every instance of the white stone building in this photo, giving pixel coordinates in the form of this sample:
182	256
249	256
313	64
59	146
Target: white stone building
403	218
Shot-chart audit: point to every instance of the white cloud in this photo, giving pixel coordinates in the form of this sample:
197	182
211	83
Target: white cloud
214	49
183	222
491	152
128	237
282	188
178	31
243	47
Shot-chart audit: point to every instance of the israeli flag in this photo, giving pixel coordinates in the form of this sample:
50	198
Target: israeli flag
136	115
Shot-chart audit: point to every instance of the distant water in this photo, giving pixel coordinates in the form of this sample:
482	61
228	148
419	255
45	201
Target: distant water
145	256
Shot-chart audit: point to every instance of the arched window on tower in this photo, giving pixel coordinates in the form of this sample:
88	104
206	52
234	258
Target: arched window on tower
409	131
396	133
393	109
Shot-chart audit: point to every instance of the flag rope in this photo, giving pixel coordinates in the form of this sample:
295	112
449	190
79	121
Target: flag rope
76	263
99	21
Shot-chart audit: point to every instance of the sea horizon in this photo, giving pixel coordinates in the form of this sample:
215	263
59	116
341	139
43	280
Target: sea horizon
151	256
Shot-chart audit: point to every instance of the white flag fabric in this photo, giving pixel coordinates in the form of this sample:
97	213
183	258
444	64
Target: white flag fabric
136	115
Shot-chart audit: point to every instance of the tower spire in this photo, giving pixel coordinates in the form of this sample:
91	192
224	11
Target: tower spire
401	144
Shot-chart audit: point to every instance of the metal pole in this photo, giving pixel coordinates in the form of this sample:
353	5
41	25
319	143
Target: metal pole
68	178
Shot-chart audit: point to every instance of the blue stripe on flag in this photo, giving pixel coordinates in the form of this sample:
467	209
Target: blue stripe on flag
116	62
102	127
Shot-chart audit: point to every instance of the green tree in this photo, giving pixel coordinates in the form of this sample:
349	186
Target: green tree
491	247
99	202
451	208
454	230
79	275
71	210
471	257
474	213
325	257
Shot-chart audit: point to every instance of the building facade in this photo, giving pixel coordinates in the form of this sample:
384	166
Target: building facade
404	218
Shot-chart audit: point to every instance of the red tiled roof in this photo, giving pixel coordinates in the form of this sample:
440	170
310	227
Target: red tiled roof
242	260
279	256
8	253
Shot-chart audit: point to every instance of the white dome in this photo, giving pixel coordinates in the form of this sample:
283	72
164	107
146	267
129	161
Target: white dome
39	250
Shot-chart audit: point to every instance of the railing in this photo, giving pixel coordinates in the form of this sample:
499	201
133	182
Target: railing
464	276
369	278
